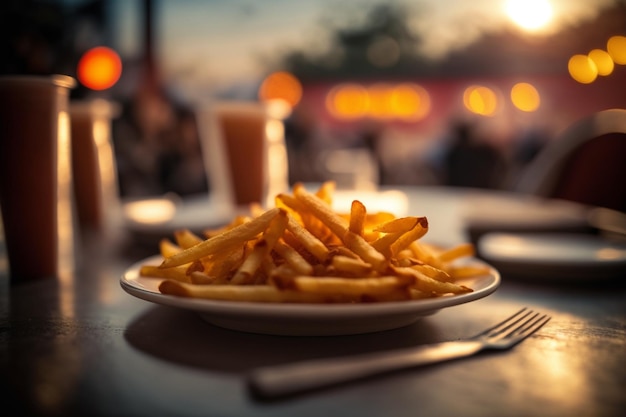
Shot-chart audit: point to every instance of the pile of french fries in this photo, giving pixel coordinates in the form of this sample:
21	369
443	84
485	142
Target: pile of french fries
302	251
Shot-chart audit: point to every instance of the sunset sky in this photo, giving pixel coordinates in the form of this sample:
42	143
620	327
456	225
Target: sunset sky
204	44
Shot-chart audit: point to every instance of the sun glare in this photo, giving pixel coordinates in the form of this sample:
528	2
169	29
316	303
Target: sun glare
531	15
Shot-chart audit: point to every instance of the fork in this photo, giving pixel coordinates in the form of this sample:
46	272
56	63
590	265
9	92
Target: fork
290	379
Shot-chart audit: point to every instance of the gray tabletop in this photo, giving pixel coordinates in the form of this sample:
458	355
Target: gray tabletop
85	347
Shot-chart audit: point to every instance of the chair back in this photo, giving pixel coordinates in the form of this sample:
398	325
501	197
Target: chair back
585	164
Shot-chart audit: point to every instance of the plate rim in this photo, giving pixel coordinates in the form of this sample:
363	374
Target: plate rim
325	311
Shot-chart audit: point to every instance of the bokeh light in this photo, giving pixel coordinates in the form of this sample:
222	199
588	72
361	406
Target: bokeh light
616	47
99	68
281	85
582	69
151	211
410	101
525	97
603	61
405	101
480	100
379	100
347	101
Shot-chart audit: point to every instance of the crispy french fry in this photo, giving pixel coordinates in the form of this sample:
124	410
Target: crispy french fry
311	243
228	239
374	219
287	201
250	293
185	238
425	254
399	225
222	264
419	295
256	209
466	249
237	221
200	278
178	273
269	266
282	273
310	222
321	210
168	248
398	235
351	266
325	191
293	258
357	217
194	266
339	227
404	241
262	248
383	243
362	248
245	274
363	289
459	272
435	273
424	283
303	251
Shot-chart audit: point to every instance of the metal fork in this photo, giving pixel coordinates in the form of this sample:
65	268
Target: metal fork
294	378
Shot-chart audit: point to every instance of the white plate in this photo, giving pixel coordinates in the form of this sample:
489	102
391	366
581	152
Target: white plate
548	256
164	215
508	212
305	319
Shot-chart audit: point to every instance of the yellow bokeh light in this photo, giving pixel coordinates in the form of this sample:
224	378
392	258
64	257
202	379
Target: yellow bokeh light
347	101
616	47
480	100
410	101
582	69
405	101
604	62
525	97
379	100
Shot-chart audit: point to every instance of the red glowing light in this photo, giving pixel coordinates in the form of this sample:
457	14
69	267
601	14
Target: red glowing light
99	68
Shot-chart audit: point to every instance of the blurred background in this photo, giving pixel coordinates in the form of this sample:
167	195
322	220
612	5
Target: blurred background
419	92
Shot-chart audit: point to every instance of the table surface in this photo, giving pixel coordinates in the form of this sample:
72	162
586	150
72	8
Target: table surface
82	346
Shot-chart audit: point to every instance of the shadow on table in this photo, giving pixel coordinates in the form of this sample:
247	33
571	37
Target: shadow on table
182	337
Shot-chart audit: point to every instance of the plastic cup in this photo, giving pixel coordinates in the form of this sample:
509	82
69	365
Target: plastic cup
35	174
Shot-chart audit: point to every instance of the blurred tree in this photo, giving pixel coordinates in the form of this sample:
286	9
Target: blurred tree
384	44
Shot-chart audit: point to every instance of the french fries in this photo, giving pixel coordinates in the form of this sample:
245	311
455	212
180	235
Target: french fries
302	251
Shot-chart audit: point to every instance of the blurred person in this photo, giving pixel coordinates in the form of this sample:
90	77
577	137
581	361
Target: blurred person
524	149
157	147
371	136
470	160
300	131
183	171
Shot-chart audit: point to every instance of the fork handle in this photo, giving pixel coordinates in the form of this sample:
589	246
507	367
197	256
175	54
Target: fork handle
302	376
